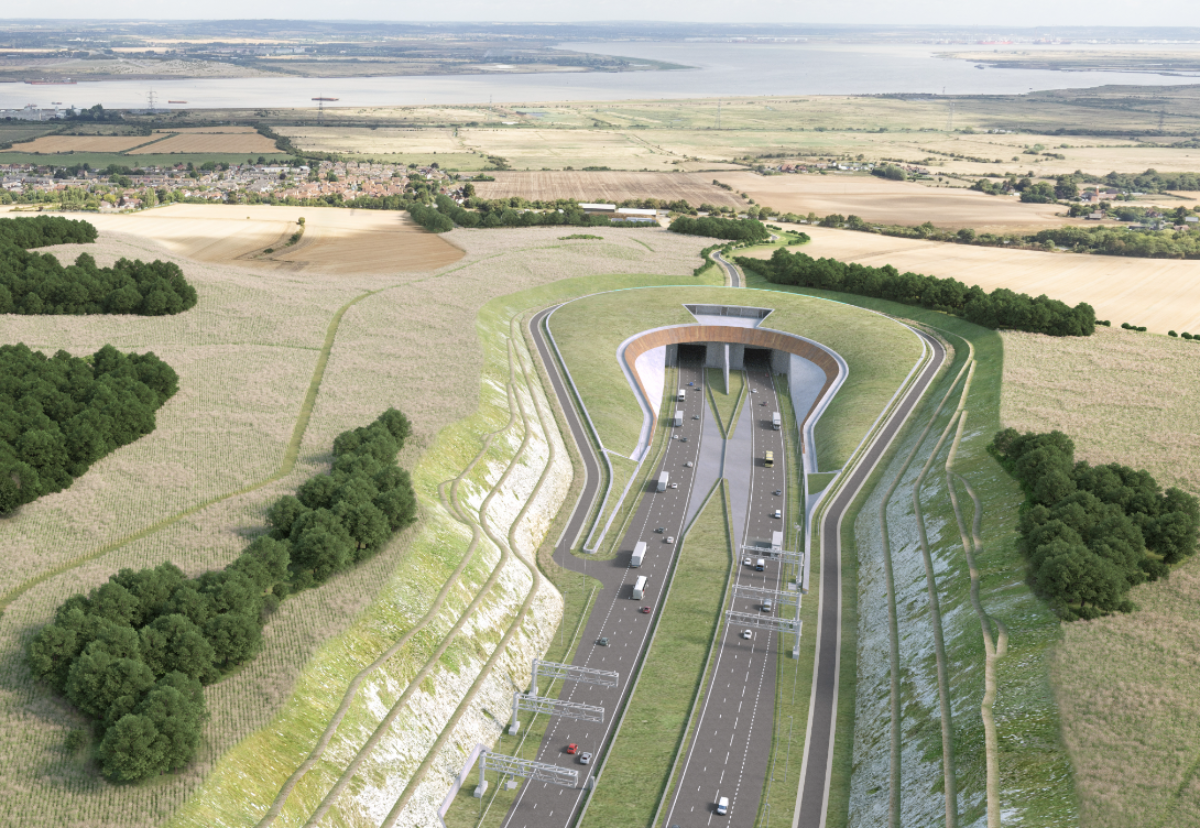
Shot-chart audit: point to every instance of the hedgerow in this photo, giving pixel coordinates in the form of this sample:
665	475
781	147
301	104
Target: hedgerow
134	653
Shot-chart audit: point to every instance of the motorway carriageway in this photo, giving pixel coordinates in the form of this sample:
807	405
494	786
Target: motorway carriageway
615	615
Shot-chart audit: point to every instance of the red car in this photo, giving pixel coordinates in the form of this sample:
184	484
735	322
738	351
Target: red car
572	748
646	610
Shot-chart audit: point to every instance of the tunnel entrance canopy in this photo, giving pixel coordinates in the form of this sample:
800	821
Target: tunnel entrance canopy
741	316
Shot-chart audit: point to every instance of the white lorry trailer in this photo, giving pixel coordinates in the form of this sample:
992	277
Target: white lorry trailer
776	421
639	588
639	554
678	418
663	480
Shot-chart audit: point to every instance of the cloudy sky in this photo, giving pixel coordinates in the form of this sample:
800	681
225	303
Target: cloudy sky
1011	13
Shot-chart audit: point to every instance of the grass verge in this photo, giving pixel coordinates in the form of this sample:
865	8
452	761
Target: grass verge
726	406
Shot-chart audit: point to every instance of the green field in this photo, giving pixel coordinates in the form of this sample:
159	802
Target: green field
726	406
880	354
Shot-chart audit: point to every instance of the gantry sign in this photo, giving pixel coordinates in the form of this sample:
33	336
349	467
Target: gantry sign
569	672
524	768
553	707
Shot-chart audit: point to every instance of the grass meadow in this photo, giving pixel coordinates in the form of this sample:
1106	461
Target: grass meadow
194	491
880	355
1125	684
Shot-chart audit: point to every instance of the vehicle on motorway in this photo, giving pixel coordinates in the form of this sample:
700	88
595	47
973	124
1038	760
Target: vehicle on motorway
776	420
723	805
695	416
678	417
778	492
572	748
768	605
639	552
683	394
769	459
659	530
778	513
688	464
674	485
585	758
670	538
747	634
646	610
639	588
663	479
760	564
603	642
747	562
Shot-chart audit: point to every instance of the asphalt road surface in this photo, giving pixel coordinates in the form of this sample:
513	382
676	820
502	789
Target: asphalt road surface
616	616
813	797
730	755
735	278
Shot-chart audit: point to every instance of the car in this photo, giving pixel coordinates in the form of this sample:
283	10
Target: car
764	402
572	748
778	492
683	439
778	513
670	538
723	806
645	610
753	390
688	464
659	530
603	642
768	605
690	384
695	416
674	485
585	758
747	562
747	634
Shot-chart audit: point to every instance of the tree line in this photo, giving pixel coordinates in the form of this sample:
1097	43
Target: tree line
447	214
744	230
60	414
1090	533
37	283
135	652
1002	308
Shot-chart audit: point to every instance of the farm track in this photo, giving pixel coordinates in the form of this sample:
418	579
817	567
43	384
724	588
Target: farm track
894	802
291	453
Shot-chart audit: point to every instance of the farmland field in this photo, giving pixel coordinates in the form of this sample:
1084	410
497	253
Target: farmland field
1156	293
53	144
335	241
1126	685
694	188
895	202
240	432
207	142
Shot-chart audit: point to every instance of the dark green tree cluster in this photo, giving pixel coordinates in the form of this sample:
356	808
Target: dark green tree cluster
1001	308
134	653
1092	532
890	172
746	230
1150	181
1121	241
60	414
37	283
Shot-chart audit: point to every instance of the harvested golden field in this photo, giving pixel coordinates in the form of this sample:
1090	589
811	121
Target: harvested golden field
1126	685
554	149
257	410
895	202
202	142
335	241
244	130
694	188
50	144
1158	293
385	140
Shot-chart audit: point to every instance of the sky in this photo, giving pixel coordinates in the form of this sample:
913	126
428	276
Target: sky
1010	13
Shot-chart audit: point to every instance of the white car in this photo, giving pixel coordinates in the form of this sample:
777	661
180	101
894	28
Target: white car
674	485
688	464
670	538
747	634
778	513
747	562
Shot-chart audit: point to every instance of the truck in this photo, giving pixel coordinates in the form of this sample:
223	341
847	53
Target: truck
777	540
639	552
663	479
682	395
678	417
776	421
639	588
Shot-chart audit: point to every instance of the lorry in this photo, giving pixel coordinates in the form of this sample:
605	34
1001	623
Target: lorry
776	421
760	564
777	540
639	588
663	479
678	418
682	395
639	552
